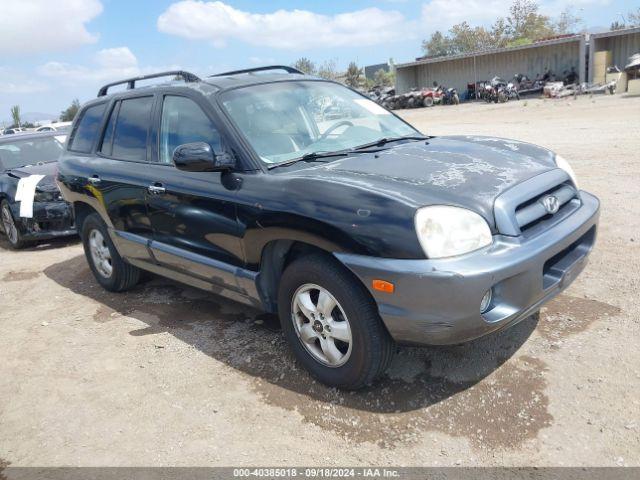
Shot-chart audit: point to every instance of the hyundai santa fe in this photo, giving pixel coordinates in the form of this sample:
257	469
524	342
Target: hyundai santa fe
302	197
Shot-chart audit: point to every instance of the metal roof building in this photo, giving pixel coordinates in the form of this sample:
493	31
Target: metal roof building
621	43
559	55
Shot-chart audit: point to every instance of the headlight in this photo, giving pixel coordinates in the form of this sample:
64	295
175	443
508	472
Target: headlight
445	231
564	165
44	197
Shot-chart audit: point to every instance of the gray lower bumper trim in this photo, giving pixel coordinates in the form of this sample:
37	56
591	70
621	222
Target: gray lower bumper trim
438	301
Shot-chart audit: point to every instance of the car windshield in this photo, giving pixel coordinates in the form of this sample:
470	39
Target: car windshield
286	120
29	151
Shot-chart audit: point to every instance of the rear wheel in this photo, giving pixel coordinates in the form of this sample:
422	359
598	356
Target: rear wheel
427	102
10	228
456	99
332	324
106	264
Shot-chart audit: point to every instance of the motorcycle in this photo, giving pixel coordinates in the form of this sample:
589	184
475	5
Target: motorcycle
499	93
449	95
511	91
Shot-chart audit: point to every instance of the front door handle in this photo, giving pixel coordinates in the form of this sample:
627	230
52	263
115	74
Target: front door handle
156	189
94	180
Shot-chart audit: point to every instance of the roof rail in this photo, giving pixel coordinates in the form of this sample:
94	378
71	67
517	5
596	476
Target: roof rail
260	69
131	82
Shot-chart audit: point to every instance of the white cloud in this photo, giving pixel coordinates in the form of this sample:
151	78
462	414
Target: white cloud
32	26
110	64
439	14
218	22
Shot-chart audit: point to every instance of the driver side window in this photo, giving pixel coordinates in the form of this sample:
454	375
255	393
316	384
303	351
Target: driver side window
183	121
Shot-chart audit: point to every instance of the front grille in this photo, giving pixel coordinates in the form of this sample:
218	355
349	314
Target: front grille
533	211
522	210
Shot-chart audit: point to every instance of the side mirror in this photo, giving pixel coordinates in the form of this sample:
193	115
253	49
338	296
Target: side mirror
199	157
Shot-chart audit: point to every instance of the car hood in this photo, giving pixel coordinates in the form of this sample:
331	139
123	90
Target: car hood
466	171
47	169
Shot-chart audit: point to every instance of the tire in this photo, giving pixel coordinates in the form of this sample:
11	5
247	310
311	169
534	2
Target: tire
456	99
10	229
349	364
427	102
100	252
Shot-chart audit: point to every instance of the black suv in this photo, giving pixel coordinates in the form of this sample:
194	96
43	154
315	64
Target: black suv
301	196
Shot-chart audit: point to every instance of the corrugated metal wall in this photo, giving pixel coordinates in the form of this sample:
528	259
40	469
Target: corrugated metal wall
457	73
621	46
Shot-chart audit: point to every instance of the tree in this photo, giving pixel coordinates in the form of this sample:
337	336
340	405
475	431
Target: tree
568	22
71	111
634	18
328	70
523	25
524	22
15	115
462	38
384	79
305	65
617	26
438	45
352	76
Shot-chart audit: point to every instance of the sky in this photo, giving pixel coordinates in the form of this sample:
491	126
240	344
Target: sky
55	51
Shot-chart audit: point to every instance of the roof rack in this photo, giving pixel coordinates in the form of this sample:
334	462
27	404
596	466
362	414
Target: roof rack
260	69
131	82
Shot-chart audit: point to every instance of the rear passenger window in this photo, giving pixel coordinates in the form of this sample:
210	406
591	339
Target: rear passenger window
85	133
131	129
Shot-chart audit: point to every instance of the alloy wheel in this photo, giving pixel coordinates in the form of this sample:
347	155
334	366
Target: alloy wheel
100	253
321	325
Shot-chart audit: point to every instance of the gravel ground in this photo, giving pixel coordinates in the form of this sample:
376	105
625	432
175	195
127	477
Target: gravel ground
167	375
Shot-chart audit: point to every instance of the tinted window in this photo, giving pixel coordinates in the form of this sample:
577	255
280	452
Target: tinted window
85	132
107	137
132	125
183	121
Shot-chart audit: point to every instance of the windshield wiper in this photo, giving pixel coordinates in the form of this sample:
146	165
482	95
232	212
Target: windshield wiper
309	157
383	141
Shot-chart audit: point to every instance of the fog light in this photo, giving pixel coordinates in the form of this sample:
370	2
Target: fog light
485	304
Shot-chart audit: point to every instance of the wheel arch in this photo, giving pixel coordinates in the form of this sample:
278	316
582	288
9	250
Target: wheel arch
81	211
276	256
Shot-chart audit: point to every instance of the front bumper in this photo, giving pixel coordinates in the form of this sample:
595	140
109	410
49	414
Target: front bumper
50	220
437	302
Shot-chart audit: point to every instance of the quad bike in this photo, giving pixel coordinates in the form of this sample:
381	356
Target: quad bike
526	86
449	95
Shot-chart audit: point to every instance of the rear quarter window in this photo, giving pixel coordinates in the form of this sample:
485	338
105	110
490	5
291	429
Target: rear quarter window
86	131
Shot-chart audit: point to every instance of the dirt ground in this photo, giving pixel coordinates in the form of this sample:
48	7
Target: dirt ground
168	375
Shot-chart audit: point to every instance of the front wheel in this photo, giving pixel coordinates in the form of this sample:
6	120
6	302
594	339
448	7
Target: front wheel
108	267
10	228
427	102
456	99
332	324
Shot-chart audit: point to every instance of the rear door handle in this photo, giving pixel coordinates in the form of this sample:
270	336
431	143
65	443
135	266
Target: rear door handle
94	180
156	189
